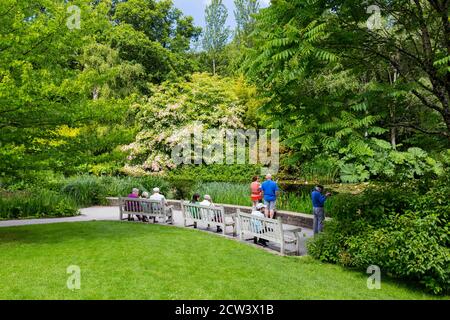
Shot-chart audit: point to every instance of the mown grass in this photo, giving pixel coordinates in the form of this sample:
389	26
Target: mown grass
121	260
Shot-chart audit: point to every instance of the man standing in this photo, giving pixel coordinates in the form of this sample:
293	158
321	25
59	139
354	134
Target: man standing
270	191
318	201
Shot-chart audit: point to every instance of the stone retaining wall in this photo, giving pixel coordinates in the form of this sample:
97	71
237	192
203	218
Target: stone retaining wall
292	218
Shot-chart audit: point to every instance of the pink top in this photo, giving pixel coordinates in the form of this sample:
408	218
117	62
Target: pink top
255	187
256	192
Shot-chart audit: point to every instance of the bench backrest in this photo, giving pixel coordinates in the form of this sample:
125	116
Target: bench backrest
135	205
269	229
203	213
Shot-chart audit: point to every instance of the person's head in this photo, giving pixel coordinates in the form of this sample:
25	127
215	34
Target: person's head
319	188
255	178
155	190
135	191
260	207
145	194
196	198
268	176
207	197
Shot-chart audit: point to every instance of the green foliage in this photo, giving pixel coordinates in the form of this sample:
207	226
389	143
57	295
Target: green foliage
387	164
38	203
404	230
351	173
333	85
214	172
160	21
65	94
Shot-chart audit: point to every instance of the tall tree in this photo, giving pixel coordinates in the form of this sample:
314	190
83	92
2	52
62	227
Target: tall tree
216	32
245	9
160	21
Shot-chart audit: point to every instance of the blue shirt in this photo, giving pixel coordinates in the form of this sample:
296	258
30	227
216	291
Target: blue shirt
269	188
318	199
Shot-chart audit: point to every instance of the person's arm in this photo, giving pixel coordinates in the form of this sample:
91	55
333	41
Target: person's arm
322	199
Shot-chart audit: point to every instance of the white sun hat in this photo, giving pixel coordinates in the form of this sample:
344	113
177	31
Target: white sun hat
260	206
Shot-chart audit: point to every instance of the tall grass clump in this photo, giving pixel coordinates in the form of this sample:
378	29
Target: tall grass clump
225	192
239	194
36	204
85	190
92	190
320	170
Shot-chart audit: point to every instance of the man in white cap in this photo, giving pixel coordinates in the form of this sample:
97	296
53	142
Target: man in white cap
207	201
259	212
158	196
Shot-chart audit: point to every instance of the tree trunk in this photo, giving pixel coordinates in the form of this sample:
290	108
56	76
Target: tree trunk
392	115
95	93
393	138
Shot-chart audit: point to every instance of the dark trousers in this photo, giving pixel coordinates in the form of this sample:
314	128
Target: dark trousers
319	217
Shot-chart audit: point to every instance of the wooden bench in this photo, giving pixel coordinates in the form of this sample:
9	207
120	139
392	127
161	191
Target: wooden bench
208	215
268	229
145	208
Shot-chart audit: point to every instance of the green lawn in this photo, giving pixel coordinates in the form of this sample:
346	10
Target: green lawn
121	260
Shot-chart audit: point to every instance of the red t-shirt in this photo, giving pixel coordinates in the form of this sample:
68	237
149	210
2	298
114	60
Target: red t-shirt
256	191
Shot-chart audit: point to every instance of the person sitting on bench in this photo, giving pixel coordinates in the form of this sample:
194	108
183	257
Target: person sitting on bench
257	225
207	201
159	197
133	206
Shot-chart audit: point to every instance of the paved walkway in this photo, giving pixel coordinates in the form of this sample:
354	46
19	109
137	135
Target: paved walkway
112	214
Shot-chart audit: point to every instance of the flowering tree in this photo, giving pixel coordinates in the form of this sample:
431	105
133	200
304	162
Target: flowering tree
178	109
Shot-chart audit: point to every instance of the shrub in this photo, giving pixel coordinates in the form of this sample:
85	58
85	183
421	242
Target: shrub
405	230
36	204
85	190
